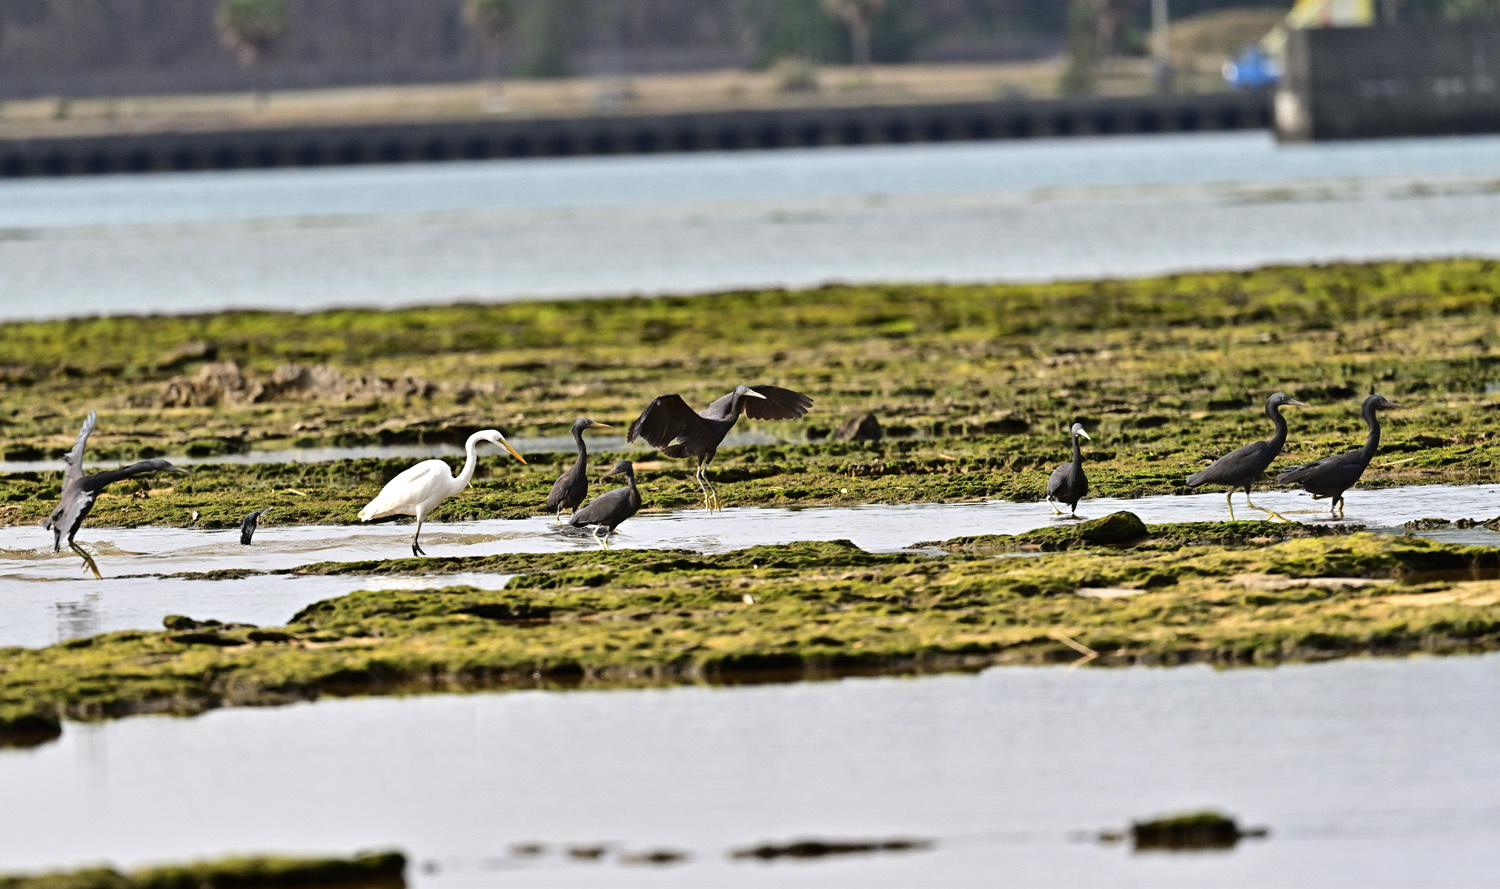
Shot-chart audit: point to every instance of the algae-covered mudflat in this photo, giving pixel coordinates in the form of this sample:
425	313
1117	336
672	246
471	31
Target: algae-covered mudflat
973	385
1112	590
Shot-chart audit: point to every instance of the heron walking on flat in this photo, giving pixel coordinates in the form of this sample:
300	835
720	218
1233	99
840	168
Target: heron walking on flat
669	424
1330	477
1242	468
569	491
418	491
1068	484
611	508
79	492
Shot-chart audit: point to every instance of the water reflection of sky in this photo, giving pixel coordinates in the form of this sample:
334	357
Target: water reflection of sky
383	236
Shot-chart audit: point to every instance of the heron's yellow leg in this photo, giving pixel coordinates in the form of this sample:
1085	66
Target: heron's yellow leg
88	560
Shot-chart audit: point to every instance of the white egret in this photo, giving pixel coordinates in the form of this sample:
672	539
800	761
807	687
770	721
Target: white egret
417	491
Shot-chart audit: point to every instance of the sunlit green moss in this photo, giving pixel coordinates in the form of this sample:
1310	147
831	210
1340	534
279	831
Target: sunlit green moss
381	870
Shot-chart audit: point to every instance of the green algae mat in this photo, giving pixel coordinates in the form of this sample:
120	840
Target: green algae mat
974	386
1110	591
382	870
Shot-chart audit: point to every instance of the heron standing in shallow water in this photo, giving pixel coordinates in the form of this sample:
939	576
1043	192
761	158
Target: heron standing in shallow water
1241	468
1068	484
417	491
569	491
611	508
669	424
79	492
1330	477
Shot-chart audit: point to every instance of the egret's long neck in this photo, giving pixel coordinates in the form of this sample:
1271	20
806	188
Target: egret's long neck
1274	412
1367	453
583	451
1077	450
471	461
635	494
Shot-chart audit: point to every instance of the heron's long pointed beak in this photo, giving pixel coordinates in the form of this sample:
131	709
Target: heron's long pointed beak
1295	403
1085	435
754	393
505	444
1394	404
602	426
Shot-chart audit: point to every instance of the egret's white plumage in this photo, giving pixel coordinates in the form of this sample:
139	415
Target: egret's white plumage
417	491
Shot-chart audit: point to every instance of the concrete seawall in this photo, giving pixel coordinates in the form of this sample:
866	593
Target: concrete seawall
507	137
1434	79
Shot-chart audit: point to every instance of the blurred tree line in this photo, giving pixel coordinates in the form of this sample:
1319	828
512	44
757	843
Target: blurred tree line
317	42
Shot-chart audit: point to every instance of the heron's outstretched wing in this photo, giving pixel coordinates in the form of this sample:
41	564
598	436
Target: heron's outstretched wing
73	460
778	404
666	419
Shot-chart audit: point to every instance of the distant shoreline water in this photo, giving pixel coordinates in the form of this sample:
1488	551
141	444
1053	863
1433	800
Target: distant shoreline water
393	236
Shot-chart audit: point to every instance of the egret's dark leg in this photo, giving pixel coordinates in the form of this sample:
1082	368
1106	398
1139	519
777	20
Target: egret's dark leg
88	560
559	515
416	548
1073	510
1341	506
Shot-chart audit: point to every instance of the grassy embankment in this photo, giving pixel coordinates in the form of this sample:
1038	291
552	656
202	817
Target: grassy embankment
384	870
975	386
1130	594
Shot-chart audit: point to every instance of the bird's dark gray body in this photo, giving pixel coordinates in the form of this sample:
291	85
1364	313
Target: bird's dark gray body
248	524
1069	484
79	491
611	508
572	488
1331	476
669	424
1243	467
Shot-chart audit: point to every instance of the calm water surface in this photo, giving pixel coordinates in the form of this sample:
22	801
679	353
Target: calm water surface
46	597
1066	208
1369	773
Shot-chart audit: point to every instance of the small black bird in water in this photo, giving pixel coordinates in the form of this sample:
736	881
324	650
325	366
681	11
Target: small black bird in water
1330	477
79	492
1242	468
669	424
569	491
247	525
1068	484
611	508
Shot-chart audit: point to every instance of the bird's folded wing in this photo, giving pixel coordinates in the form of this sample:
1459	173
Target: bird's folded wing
664	420
778	404
73	511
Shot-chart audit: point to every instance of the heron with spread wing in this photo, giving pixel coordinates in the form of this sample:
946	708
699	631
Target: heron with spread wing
79	491
677	430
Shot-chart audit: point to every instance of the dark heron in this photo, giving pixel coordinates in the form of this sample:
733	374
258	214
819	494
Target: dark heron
1241	468
669	424
1331	476
418	490
79	492
611	508
569	491
1068	484
248	523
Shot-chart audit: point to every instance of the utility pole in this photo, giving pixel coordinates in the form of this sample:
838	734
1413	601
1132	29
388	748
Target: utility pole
1161	49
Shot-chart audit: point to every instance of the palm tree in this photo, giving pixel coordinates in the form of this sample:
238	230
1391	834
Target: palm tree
492	21
858	15
252	28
